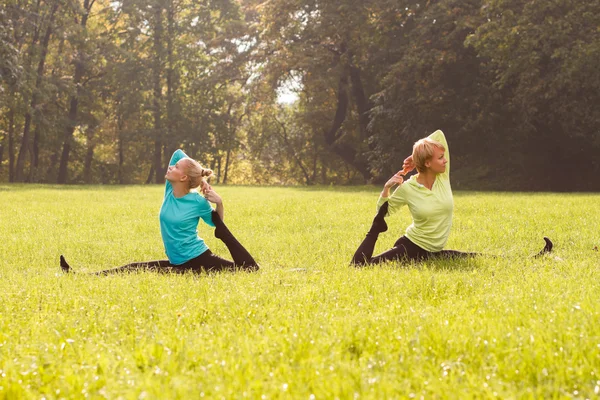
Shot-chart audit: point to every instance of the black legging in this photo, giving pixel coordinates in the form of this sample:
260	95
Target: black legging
205	262
404	249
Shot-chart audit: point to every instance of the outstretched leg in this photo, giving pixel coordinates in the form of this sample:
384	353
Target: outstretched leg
163	266
364	253
460	254
241	256
454	254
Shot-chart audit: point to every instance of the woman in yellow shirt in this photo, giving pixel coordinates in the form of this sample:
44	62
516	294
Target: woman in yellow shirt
428	195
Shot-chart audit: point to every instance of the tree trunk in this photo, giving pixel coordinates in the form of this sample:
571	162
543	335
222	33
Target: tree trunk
1	153
19	170
20	167
362	102
226	166
52	166
11	144
158	32
218	169
87	168
71	123
315	158
89	155
293	153
74	101
344	150
150	175
213	163
35	156
120	177
340	114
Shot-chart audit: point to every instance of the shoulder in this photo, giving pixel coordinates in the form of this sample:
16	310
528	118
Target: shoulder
408	188
401	190
202	202
412	183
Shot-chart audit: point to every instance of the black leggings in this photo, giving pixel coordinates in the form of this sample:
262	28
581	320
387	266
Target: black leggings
403	250
205	262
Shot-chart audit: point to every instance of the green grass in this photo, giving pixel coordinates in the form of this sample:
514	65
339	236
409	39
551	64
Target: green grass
306	325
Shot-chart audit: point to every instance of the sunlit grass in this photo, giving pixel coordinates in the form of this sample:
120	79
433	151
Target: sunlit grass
306	323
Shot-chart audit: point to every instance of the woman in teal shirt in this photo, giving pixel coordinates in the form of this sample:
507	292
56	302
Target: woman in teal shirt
428	195
182	208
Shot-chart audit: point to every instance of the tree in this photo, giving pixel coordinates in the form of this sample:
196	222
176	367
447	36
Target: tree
81	15
44	25
9	76
326	45
434	82
542	58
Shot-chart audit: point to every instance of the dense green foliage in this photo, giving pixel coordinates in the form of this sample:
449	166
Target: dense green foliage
306	323
102	91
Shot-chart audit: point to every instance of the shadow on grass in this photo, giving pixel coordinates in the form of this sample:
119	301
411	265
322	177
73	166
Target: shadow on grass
440	265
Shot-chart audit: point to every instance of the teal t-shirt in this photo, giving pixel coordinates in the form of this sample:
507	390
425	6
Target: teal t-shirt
179	219
431	210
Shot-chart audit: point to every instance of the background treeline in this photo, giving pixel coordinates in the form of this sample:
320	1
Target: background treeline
98	91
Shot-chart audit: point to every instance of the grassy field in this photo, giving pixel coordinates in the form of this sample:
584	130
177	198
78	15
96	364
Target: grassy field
306	326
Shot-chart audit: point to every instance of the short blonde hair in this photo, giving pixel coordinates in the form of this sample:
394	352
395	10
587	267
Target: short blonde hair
423	152
196	173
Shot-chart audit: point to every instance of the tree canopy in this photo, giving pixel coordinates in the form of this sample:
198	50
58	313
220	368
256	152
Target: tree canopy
98	91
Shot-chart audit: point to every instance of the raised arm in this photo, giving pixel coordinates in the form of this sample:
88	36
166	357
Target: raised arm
396	200
397	179
439	136
177	155
213	197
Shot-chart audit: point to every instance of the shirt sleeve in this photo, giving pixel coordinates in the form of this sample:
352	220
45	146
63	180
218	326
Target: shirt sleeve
205	210
439	136
395	202
177	155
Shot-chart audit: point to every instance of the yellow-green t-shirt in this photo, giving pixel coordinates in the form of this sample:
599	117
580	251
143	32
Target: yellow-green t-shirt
431	210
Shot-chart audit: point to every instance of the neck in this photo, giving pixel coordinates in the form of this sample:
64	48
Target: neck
426	178
180	189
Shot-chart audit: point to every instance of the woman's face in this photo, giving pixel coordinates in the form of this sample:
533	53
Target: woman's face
176	173
438	162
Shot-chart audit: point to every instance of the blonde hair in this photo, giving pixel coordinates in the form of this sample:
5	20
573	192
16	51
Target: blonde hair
423	152
196	173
